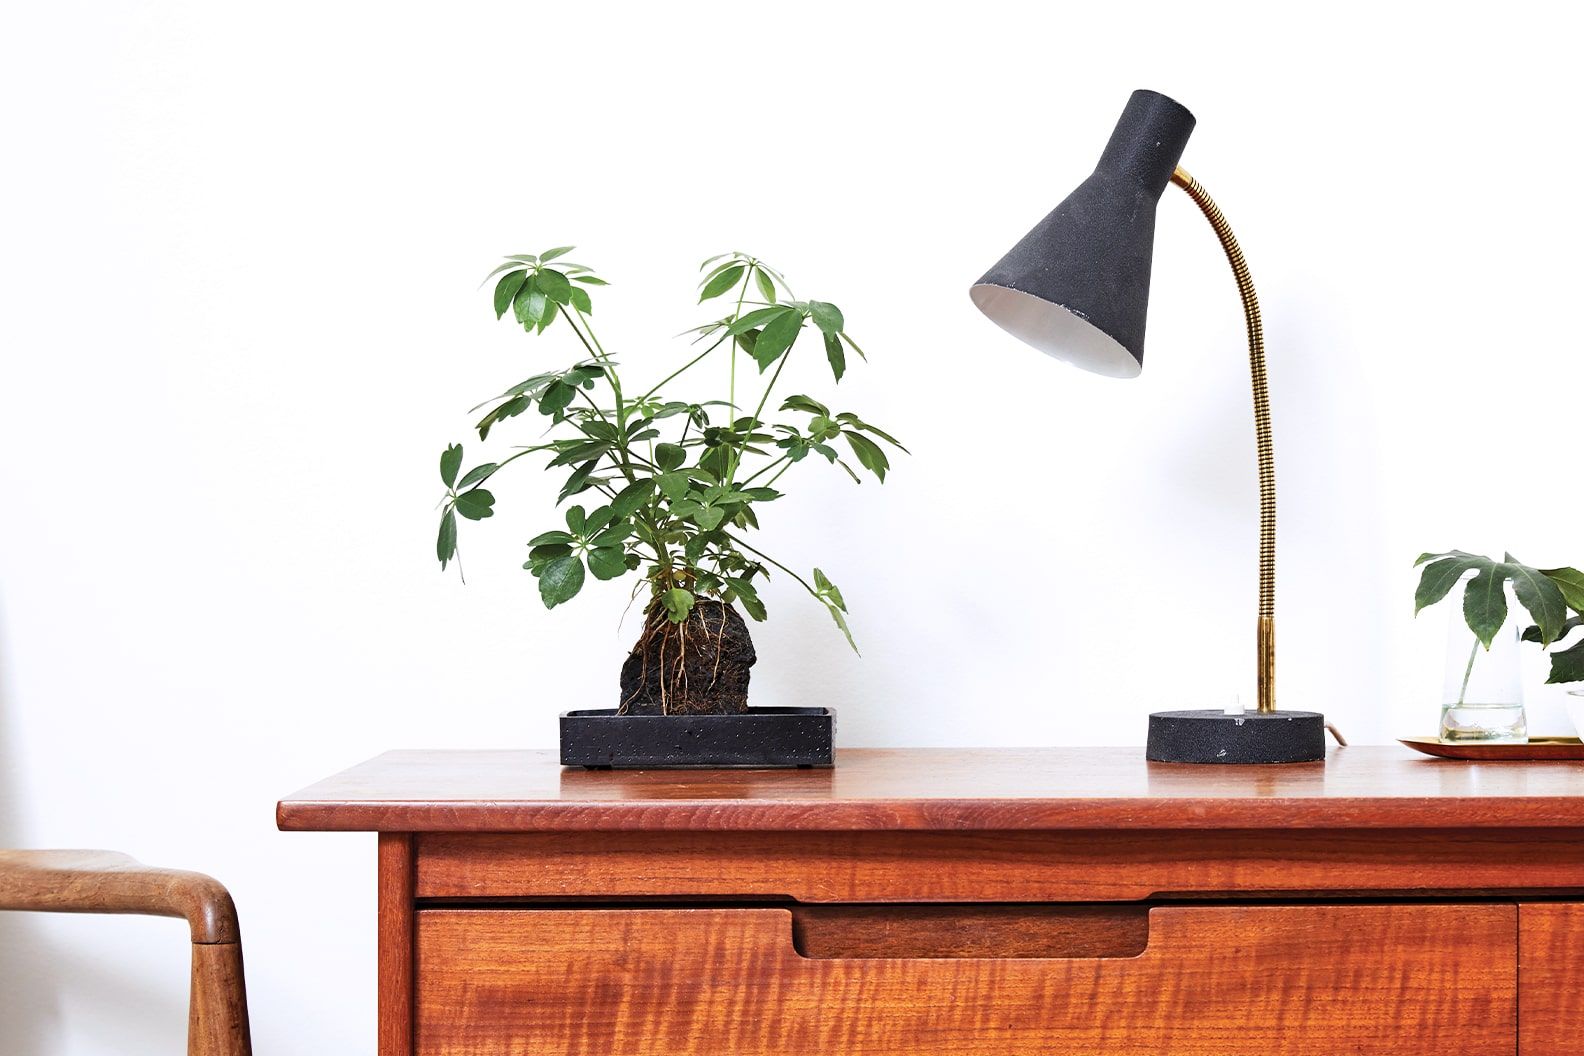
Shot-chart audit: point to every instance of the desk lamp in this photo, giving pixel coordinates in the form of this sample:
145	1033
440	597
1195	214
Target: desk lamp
1077	288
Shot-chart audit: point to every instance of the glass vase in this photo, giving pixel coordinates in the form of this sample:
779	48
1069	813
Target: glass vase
1482	699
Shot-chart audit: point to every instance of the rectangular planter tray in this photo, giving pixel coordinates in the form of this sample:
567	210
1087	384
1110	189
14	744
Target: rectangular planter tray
760	738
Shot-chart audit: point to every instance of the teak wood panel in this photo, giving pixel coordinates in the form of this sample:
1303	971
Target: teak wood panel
1081	866
970	930
1213	981
937	789
396	925
1551	977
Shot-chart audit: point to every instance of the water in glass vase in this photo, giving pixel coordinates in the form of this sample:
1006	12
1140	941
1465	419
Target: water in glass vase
1483	697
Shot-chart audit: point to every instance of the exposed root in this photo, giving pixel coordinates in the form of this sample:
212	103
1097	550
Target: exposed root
688	668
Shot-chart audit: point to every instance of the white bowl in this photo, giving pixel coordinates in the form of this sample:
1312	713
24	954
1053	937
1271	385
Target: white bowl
1575	710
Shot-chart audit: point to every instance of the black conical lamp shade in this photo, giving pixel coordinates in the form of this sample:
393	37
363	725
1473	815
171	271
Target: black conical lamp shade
1077	286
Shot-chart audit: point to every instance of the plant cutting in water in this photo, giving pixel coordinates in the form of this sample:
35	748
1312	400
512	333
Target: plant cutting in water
674	486
1547	594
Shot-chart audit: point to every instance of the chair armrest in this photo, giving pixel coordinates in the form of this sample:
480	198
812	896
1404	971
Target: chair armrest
108	882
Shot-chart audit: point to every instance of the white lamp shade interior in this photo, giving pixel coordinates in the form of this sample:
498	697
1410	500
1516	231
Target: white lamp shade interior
1056	331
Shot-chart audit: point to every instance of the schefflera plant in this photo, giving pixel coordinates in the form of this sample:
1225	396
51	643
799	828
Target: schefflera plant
670	490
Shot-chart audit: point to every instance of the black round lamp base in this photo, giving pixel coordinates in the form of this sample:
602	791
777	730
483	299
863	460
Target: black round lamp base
1252	737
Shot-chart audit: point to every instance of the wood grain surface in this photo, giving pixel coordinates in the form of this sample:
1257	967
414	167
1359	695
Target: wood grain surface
940	789
970	930
1213	981
1080	866
396	924
1551	970
61	881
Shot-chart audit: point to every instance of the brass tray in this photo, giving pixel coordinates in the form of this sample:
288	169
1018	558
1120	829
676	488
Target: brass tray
1552	748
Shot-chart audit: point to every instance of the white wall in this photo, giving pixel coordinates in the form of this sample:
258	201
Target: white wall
238	321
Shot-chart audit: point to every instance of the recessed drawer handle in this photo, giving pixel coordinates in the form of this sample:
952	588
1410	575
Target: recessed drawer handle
970	930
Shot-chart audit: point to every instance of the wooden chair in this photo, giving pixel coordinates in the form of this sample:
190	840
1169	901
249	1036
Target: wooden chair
107	882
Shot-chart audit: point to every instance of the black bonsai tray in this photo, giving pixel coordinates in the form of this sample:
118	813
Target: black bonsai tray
759	738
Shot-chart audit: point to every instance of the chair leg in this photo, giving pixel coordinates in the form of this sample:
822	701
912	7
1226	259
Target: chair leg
217	1022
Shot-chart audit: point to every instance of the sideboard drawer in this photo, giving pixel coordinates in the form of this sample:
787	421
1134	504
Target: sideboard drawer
1221	980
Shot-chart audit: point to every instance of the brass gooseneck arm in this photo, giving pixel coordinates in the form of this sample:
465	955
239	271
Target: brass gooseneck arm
1262	434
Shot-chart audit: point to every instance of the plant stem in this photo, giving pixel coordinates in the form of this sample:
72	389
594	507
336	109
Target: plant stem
663	553
598	352
679	371
754	421
773	561
777	477
761	471
731	352
1468	671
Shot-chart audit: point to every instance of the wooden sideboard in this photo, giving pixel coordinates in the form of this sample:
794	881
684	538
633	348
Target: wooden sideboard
974	903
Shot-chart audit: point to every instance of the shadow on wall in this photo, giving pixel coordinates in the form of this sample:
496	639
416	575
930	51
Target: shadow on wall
29	977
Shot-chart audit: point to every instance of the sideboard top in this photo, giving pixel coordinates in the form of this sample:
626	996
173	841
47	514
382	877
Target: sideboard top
938	789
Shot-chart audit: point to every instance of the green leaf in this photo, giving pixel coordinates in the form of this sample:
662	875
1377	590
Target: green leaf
576	520
551	308
1573	623
750	602
510	409
1485	599
477	475
670	456
1540	595
580	300
450	463
550	254
761	494
776	338
678	603
673	485
827	317
445	545
551	539
858	423
529	304
1485	604
512	264
631	497
578	482
613	535
709	517
1570	581
607	562
869	454
560	580
757	317
854	346
590	279
804	403
837	357
579	451
828	589
717	269
557	397
475	505
1567	665
721	283
506	289
555	285
543	554
1441	575
767	291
